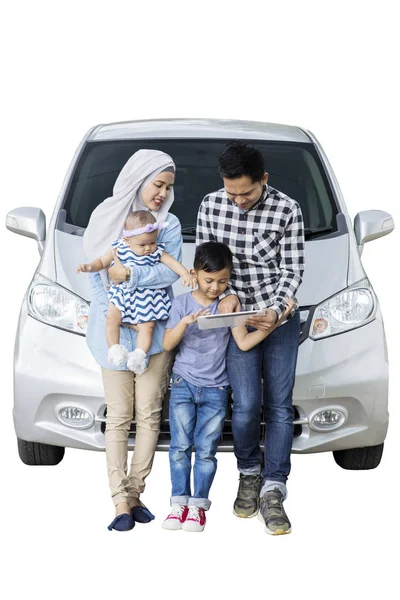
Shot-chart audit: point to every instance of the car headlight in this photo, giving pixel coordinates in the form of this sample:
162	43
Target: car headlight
351	308
52	304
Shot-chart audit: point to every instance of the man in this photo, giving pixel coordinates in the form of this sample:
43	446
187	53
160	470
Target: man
264	230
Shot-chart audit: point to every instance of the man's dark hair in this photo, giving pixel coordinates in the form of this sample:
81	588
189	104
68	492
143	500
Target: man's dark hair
238	159
212	257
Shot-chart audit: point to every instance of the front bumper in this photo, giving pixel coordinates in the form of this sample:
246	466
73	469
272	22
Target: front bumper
54	368
349	370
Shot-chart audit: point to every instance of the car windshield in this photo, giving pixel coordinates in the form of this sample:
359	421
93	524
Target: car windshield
293	168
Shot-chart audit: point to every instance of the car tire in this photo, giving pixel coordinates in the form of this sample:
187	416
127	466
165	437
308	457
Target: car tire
359	459
33	453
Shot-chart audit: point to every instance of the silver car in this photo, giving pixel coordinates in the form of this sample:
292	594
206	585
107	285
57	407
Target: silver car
340	401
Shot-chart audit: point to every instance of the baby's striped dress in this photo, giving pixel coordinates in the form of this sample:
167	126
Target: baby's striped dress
141	305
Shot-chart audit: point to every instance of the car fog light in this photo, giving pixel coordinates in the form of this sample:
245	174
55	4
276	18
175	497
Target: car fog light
327	419
74	416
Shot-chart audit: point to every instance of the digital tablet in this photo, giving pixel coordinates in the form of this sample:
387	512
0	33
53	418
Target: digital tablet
227	319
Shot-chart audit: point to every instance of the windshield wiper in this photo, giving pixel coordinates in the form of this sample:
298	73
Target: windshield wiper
189	231
308	233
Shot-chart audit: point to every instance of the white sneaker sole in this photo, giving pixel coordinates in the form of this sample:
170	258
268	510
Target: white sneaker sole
195	527
277	532
172	525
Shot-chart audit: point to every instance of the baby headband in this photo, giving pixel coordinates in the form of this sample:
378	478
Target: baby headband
146	229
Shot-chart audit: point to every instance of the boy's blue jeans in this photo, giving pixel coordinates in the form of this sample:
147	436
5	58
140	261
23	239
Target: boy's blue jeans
196	418
275	361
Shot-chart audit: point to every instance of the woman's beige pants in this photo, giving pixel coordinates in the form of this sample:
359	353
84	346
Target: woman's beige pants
126	395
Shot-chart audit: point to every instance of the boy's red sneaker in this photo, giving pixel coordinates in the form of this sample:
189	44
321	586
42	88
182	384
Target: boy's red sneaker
176	517
195	520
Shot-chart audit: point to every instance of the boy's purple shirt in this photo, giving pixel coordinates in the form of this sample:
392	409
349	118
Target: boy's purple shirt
201	357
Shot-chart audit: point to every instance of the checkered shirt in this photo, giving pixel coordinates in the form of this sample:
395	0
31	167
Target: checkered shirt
267	243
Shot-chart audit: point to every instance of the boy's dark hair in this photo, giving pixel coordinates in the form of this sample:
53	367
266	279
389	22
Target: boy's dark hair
212	257
238	159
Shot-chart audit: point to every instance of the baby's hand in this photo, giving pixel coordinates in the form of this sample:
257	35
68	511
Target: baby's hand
189	319
85	268
189	281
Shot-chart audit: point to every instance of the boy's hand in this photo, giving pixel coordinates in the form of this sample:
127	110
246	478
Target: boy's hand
189	319
189	281
85	268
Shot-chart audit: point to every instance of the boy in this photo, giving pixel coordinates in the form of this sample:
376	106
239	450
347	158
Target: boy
200	384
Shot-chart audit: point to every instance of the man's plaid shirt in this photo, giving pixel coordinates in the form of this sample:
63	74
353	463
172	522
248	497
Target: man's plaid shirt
267	243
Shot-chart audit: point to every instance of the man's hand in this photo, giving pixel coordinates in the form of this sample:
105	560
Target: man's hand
229	304
117	273
269	320
189	319
263	323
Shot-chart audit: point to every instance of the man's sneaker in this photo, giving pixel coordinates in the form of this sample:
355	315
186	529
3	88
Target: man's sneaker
273	514
176	517
248	496
196	519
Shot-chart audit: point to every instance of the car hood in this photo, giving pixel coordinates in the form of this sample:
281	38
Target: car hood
326	267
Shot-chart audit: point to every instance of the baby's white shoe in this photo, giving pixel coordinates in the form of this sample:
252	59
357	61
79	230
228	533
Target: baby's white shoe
117	355
137	361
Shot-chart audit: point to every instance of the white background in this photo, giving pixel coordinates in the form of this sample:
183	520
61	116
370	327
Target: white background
327	66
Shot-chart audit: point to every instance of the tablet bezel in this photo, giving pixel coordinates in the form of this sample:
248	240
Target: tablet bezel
210	321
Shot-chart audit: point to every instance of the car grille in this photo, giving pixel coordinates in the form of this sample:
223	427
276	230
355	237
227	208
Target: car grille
226	440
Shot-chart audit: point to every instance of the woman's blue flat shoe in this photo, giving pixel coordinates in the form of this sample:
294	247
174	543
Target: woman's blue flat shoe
123	522
141	514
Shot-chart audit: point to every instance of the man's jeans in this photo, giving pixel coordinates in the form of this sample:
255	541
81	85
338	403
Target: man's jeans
275	360
196	418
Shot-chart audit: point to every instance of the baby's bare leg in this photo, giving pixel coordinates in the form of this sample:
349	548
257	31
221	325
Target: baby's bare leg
113	322
145	335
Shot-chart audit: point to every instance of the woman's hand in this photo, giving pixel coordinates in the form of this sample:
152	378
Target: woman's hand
189	280
189	319
229	304
134	327
117	273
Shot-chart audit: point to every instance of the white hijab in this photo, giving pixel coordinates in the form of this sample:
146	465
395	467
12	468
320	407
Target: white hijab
108	218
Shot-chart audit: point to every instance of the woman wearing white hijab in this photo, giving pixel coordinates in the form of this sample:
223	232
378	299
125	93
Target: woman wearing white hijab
145	183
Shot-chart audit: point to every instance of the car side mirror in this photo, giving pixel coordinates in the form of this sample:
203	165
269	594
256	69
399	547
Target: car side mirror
30	222
370	225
